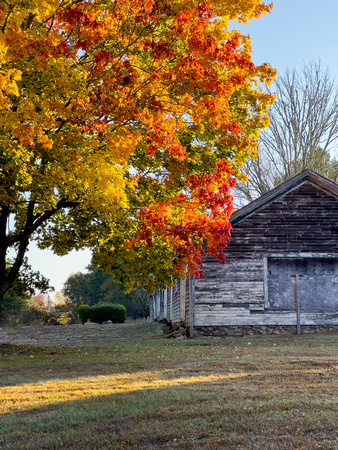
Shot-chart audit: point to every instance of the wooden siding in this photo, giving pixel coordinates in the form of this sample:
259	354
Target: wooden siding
303	221
176	316
169	303
173	303
187	302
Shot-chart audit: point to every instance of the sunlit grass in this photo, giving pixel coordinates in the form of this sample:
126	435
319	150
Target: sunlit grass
29	395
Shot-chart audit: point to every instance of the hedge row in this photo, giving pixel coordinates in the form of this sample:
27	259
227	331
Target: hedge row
102	312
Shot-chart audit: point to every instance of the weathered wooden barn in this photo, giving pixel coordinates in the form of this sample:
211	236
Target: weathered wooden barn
281	271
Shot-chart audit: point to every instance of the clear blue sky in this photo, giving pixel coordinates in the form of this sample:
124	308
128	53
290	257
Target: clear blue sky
295	32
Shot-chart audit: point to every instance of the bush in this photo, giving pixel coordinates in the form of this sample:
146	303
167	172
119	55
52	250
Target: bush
107	311
100	313
35	315
83	311
11	308
119	314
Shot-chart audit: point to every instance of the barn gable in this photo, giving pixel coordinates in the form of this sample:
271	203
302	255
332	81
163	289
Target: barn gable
288	186
282	261
303	218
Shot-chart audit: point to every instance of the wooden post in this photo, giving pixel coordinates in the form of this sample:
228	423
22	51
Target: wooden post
297	305
182	301
191	305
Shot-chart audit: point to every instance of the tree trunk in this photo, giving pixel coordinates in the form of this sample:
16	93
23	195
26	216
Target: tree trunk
4	214
7	279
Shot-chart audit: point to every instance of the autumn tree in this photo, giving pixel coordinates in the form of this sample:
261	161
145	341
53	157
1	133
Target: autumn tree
302	132
123	126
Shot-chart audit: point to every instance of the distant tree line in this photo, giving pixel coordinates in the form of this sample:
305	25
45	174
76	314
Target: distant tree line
96	286
21	305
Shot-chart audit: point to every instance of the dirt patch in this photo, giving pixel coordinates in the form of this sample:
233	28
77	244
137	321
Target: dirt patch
90	333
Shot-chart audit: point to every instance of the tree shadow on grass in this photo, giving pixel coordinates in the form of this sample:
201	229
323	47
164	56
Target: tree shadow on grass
209	412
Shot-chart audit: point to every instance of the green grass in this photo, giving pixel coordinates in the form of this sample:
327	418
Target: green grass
252	393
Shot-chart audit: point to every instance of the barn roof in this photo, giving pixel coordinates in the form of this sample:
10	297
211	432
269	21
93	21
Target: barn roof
280	191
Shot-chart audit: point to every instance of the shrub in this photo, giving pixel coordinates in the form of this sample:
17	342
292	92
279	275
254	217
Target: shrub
119	314
83	311
100	313
11	308
107	311
35	315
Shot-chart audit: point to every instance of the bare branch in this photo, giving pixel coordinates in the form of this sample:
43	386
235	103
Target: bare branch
302	133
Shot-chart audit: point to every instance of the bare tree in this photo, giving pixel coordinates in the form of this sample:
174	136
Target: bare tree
302	134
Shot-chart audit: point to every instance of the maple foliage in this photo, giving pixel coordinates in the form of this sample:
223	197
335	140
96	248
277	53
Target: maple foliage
123	126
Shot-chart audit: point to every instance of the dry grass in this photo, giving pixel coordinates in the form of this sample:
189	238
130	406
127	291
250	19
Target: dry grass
258	393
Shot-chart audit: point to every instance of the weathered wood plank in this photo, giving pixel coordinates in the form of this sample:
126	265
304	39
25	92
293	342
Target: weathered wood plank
215	318
302	222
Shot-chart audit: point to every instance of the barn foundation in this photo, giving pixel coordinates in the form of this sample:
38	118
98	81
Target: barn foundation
261	330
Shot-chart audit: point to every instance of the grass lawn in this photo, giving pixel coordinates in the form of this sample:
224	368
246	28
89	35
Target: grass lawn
153	393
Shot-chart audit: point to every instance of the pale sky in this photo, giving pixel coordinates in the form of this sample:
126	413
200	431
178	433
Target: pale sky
296	32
